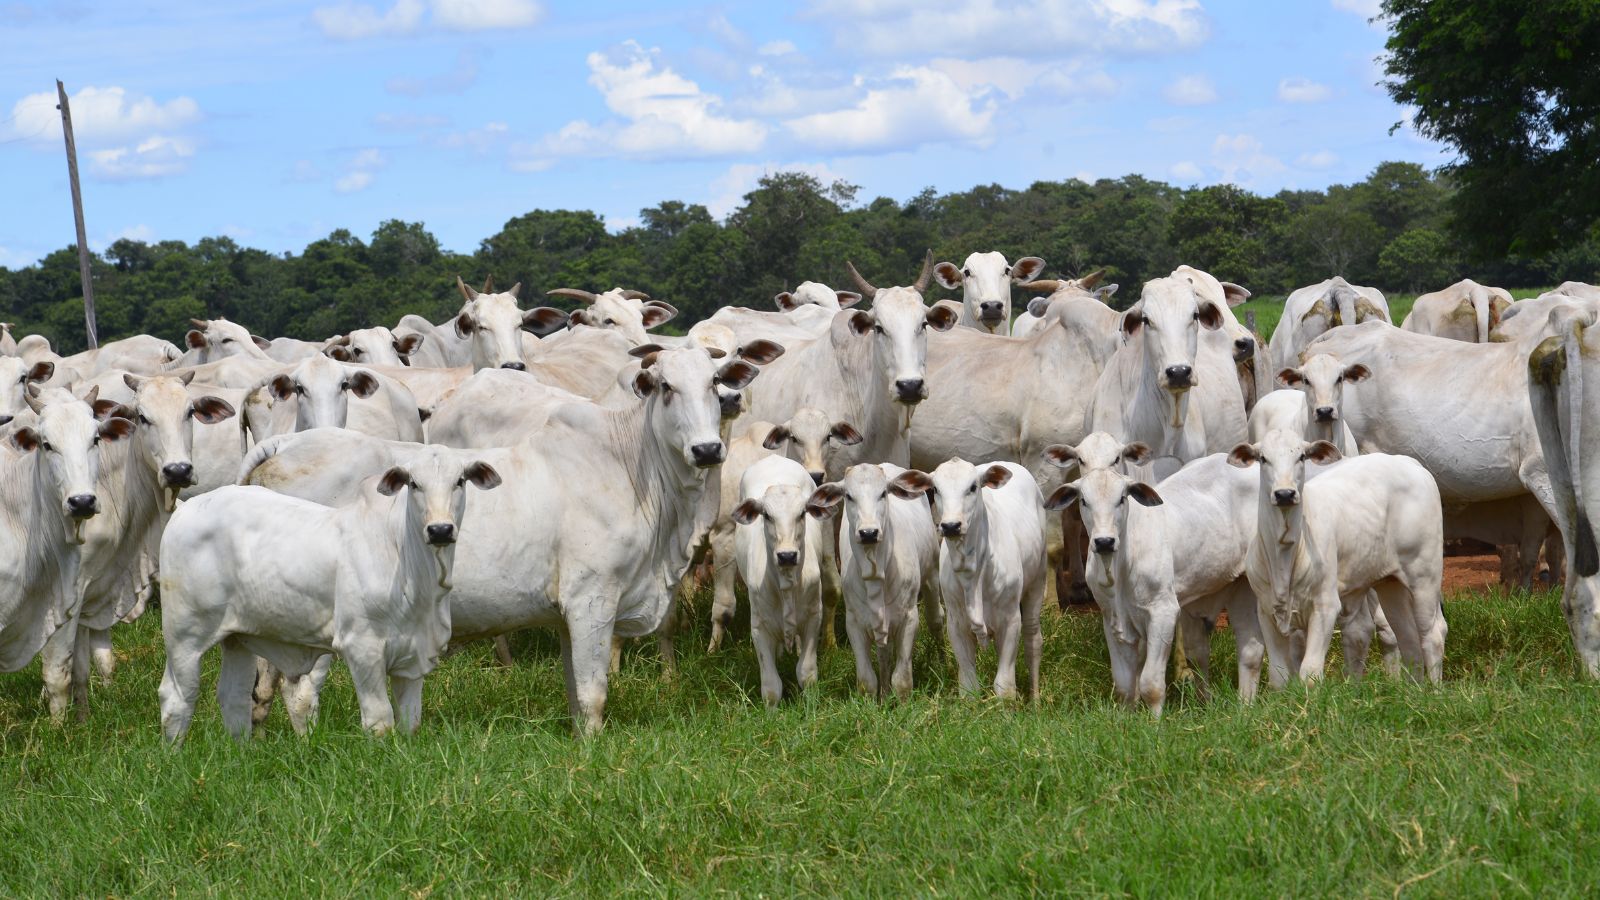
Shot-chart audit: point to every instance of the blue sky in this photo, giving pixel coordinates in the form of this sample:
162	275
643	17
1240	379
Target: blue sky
278	122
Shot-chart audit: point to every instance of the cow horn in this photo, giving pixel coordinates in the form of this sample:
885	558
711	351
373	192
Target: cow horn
199	323
30	395
926	277
867	289
1041	286
466	292
1089	281
488	285
585	296
635	295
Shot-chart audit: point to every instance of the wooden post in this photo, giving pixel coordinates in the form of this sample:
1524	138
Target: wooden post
1250	320
77	215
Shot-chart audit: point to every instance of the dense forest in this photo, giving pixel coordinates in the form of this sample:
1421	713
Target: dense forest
1391	230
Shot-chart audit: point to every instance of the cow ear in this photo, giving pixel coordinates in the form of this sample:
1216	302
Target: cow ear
1062	497
393	480
465	325
106	408
1137	453
42	371
776	437
363	384
1234	294
910	484
482	475
1209	316
643	350
861	321
947	275
1243	455
579	317
210	410
941	317
194	339
737	374
115	429
1026	268
25	439
411	343
1104	292
1143	494
847	299
1290	376
281	387
1322	453
1061	455
785	302
644	383
1356	373
825	499
1131	320
761	351
339	352
996	476
1038	306
656	312
746	512
544	320
260	341
846	434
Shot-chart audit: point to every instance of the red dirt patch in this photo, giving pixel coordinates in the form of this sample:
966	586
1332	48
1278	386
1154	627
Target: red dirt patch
1470	573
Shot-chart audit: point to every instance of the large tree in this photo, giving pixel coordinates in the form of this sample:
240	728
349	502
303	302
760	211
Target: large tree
1511	86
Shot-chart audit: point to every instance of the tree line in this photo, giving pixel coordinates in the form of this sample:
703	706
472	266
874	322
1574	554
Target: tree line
1392	230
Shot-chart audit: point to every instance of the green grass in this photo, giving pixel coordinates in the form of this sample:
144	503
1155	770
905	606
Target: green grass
1269	310
1487	784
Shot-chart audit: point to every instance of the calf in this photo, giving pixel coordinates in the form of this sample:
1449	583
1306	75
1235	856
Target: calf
1373	523
890	559
264	573
984	281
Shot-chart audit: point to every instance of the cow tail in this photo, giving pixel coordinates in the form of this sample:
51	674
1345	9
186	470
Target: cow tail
1482	305
1586	561
257	455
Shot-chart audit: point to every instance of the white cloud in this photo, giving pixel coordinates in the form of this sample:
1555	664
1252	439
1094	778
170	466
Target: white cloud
915	105
305	171
1187	171
154	157
1015	77
727	32
728	189
777	48
350	21
1320	159
661	115
478	140
1366	9
408	122
360	171
483	15
1190	90
1241	159
353	21
351	182
140	232
100	115
1302	90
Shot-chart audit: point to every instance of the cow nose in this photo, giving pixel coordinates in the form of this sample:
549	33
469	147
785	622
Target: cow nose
1285	496
442	533
520	367
990	309
5	420
1324	414
82	506
867	535
707	454
950	529
1105	544
731	405
178	474
1243	349
788	558
910	389
816	477
1179	376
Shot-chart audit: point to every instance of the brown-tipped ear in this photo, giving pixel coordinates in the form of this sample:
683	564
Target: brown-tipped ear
824	501
910	484
1234	294
1243	456
761	351
411	343
133	381
1323	453
1104	292
544	320
1209	316
643	350
42	371
1061	455
940	318
1143	494
1131	320
716	352
948	275
861	321
363	384
25	439
482	475
281	387
1138	453
467	293
339	352
260	341
115	429
209	410
644	383
846	434
579	317
996	476
1026	268
847	299
746	512
776	437
465	325
737	374
1062	497
785	302
1356	373
194	339
106	408
657	312
1290	376
393	480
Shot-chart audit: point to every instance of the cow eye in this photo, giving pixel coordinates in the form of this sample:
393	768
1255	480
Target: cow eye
878	328
357	351
299	389
45	446
611	321
344	385
145	420
884	495
973	489
967	272
95	442
227	340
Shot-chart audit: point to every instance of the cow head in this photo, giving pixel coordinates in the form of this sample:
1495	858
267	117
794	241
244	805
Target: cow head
720	342
630	313
864	493
491	325
374	347
898	327
1322	379
219	339
985	281
1097	451
15	378
1103	497
958	509
682	408
435	481
322	387
1168	318
1283	456
165	414
781	511
805	438
66	438
814	294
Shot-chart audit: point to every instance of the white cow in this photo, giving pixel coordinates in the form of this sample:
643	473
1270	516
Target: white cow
1525	318
1464	311
1159	556
374	347
777	549
630	313
264	573
492	324
1371	523
1033	315
991	565
1579	289
441	347
889	556
985	281
8	344
16	378
214	339
1313	405
1312	310
803	314
291	350
317	393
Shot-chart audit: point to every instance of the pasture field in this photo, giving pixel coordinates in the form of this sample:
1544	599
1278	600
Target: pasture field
1489	783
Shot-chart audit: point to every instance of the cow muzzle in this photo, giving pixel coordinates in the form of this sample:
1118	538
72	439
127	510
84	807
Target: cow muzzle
82	506
515	366
1325	414
708	454
868	536
441	534
991	312
1105	545
1285	497
950	529
178	474
788	559
1180	377
910	390
1243	349
731	405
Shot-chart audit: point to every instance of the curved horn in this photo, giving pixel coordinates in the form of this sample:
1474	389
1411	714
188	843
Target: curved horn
1041	286
30	395
488	285
199	323
1089	281
867	290
585	296
466	292
635	295
926	277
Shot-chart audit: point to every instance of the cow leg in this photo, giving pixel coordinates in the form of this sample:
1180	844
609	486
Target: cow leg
964	645
1033	600
666	643
904	641
933	608
1124	663
1388	646
302	695
1281	661
614	665
266	685
1422	595
723	598
861	648
502	651
56	664
813	619
1355	636
1157	651
371	682
567	673
766	660
591	641
1195	633
1247	639
235	683
407	702
1075	549
80	674
180	687
1319	634
832	586
105	661
1008	634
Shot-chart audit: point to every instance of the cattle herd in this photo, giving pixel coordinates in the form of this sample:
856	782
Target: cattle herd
391	493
